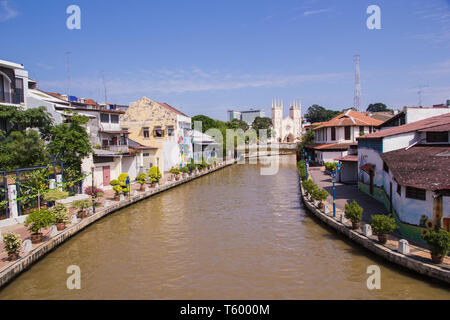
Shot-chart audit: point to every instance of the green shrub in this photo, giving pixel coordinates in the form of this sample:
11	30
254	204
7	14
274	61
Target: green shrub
61	213
114	182
55	194
439	241
320	194
353	212
38	219
122	177
154	174
117	189
174	171
382	224
12	243
82	204
184	170
330	166
141	178
309	186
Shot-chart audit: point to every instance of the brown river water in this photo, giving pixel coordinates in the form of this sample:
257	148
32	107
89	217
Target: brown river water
234	234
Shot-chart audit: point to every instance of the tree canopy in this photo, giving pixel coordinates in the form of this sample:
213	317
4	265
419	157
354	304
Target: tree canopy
377	107
318	113
263	123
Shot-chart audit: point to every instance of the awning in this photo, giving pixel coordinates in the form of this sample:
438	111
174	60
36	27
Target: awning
350	157
367	167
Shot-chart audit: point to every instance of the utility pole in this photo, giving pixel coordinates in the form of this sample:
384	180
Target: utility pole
104	86
419	92
357	98
68	72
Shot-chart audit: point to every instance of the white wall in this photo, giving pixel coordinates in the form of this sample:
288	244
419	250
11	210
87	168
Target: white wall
416	114
399	141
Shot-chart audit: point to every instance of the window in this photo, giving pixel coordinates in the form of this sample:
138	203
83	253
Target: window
370	129
104	118
347	133
114	118
18	92
333	133
441	136
105	143
170	131
2	89
416	193
146	132
361	130
146	154
399	189
385	167
158	132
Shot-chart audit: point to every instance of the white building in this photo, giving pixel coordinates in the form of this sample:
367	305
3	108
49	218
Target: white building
407	168
288	129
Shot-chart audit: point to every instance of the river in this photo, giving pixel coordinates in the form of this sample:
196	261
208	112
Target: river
233	234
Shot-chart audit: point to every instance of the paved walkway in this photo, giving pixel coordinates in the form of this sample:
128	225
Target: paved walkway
347	193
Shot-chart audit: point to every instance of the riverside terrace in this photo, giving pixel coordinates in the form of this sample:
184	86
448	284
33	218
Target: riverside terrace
417	258
31	253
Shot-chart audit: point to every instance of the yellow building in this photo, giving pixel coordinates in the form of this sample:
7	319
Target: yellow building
163	128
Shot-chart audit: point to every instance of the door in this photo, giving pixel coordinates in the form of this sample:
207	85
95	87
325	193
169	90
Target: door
390	197
106	175
371	182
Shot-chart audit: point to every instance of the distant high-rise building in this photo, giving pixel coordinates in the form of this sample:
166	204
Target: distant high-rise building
247	115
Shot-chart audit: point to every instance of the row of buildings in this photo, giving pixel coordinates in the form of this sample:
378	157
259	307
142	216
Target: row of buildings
125	138
403	162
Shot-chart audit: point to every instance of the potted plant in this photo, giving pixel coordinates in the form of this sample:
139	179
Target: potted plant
439	242
353	212
382	225
141	180
94	192
184	171
61	215
36	220
123	177
154	175
117	191
176	173
12	243
82	206
320	195
53	195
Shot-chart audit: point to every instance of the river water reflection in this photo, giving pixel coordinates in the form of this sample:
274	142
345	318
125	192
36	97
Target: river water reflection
233	234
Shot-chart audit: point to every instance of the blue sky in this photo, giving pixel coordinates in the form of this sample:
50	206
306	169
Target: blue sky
205	57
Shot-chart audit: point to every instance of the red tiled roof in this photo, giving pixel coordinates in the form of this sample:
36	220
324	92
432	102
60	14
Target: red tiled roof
330	146
428	123
422	166
350	118
367	167
349	157
168	106
444	127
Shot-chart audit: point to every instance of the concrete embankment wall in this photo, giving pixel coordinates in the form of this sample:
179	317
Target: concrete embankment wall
9	272
427	269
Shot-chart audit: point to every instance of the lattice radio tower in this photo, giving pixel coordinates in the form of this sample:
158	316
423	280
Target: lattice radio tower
357	98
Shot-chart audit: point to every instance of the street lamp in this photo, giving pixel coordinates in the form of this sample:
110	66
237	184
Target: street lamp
92	190
334	175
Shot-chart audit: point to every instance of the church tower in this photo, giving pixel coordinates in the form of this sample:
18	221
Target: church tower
277	116
295	113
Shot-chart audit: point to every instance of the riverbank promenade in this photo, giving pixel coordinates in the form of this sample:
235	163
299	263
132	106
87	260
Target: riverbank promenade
346	193
104	206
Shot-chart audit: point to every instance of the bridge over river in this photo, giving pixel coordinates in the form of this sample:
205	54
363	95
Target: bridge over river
233	234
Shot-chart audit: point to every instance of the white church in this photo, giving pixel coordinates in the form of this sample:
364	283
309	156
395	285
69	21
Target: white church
288	129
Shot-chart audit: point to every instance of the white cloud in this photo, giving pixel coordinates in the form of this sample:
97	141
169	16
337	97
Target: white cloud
311	12
194	80
6	12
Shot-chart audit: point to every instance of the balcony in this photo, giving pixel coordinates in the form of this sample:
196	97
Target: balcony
117	148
